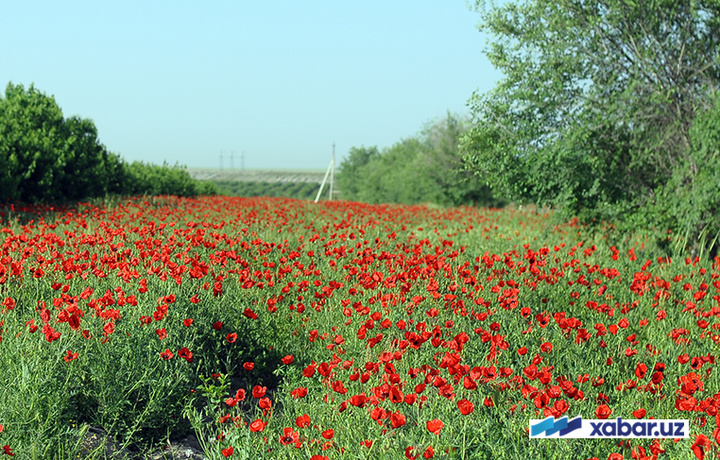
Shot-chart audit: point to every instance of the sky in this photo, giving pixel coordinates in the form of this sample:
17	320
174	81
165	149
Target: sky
276	82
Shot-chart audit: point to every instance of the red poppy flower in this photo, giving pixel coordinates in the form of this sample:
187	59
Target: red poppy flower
303	421
434	426
309	371
603	411
287	359
298	393
466	407
639	413
162	333
231	337
701	444
397	419
187	322
358	400
70	356
258	391
289	436
167	354
429	452
217	325
227	452
265	403
185	354
257	426
248	366
328	434
409	453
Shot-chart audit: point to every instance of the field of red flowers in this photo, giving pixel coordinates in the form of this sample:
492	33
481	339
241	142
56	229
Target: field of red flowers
283	329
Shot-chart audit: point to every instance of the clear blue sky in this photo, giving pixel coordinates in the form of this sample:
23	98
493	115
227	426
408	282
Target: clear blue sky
181	81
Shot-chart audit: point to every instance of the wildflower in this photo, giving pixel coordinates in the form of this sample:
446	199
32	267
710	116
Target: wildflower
434	426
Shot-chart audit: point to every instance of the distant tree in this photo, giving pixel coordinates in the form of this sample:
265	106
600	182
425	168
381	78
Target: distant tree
426	168
350	172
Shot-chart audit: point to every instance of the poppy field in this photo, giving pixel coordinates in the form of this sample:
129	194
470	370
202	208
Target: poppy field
283	329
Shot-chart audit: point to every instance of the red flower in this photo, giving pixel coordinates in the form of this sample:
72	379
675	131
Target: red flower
466	407
328	434
257	426
410	453
70	356
303	421
701	444
265	403
162	333
187	322
603	411
397	419
289	436
231	337
258	391
217	325
429	452
639	413
358	400
287	359
7	451
227	452
248	366
185	354
640	370
298	393
434	426
167	354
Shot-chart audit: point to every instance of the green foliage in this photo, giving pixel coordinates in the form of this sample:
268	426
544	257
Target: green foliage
690	201
594	113
45	157
149	179
426	168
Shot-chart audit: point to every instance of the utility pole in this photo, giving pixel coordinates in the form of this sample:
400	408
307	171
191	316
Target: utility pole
332	172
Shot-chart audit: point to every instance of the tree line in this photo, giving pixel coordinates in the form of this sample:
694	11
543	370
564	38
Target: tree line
424	168
48	158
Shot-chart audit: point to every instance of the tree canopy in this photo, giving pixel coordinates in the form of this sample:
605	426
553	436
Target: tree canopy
596	111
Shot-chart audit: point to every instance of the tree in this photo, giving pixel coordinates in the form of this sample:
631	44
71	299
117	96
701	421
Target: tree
350	174
597	102
31	139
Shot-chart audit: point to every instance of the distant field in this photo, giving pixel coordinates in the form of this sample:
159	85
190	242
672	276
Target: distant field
258	175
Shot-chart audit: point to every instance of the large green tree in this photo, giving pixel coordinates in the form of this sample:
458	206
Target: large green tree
595	110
